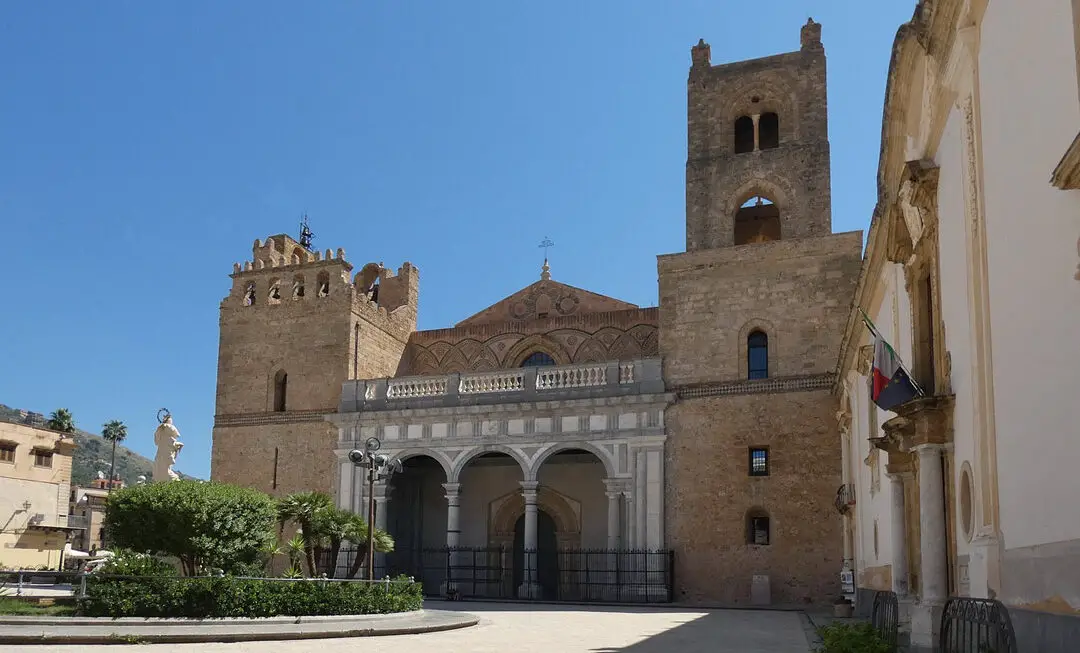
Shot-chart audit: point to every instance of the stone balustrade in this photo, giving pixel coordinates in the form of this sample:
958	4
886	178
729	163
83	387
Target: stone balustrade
545	383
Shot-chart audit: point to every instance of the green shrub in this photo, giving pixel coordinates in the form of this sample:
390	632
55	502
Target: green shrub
205	525
228	596
130	563
851	638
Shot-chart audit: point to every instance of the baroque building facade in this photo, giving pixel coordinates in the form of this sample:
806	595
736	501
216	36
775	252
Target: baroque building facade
560	421
969	491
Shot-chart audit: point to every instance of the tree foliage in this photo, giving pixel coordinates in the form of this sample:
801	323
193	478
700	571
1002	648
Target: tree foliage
61	420
114	431
205	525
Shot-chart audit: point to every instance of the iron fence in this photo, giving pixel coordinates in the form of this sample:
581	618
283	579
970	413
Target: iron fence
885	617
970	625
617	576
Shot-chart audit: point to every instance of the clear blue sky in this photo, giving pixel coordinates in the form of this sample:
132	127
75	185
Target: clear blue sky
145	145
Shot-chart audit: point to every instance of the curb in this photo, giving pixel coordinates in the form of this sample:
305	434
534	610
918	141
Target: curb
193	631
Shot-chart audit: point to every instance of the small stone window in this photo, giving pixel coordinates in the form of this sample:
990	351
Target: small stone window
249	294
768	131
43	458
759	461
7	452
281	386
537	359
274	296
298	287
744	134
757	527
323	284
757	355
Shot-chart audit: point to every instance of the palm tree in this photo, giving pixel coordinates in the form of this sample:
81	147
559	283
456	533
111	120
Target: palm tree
304	508
61	420
114	431
356	533
332	527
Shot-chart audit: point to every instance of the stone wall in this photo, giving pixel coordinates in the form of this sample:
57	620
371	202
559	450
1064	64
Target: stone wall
710	492
797	292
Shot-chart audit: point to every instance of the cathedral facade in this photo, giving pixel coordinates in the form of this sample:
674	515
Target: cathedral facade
688	451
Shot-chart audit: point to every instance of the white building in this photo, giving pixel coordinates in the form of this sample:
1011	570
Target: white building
971	274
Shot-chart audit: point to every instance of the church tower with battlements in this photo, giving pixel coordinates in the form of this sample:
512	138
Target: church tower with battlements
294	327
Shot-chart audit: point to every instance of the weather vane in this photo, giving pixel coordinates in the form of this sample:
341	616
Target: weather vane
305	233
545	244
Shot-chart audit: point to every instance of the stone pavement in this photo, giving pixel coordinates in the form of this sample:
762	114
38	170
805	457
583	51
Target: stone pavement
541	628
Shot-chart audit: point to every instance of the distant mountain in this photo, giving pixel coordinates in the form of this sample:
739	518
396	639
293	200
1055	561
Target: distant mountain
92	453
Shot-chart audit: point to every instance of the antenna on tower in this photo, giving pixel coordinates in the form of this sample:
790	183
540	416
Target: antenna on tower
305	233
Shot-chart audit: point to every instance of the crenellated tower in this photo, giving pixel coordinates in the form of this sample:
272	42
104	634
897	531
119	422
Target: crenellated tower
295	325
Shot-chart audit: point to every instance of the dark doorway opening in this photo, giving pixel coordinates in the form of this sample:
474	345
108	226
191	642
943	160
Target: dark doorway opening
546	558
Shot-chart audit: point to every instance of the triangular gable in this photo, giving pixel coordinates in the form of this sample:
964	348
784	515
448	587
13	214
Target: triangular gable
546	298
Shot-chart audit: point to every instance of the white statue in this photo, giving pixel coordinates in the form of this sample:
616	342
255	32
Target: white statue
167	439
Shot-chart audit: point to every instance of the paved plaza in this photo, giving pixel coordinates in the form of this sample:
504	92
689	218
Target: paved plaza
515	628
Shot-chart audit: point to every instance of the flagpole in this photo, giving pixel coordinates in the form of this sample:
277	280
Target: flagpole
874	331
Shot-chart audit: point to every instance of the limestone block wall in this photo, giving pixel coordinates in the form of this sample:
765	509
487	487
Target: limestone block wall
710	491
797	292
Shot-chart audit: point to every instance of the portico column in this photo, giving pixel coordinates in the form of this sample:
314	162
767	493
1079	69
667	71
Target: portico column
628	528
382	500
932	524
453	502
899	535
612	494
453	535
529	587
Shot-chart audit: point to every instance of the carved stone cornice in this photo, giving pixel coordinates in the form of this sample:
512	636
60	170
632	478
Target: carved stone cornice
865	358
915	216
1066	175
899	464
925	420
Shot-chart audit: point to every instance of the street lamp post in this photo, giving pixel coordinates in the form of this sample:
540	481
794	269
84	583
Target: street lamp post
379	466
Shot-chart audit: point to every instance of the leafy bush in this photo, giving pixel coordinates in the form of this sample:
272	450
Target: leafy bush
205	525
130	563
228	596
851	638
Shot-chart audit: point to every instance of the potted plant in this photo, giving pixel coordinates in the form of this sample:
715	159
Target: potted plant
843	608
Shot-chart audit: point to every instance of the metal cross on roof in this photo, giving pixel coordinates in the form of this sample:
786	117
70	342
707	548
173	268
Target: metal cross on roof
545	244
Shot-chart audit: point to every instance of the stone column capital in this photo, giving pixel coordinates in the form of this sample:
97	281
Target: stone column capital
615	485
451	489
528	490
928	448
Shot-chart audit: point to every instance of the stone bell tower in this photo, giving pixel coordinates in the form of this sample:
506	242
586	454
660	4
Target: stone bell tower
751	319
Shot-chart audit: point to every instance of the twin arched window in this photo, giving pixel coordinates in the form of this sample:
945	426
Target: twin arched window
757	355
764	134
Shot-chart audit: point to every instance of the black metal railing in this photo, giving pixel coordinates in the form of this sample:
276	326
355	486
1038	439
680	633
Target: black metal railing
885	617
618	576
970	625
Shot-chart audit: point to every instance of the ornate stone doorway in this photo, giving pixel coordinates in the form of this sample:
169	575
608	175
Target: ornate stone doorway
546	559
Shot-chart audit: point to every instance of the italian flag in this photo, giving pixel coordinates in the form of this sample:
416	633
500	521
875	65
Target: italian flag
890	384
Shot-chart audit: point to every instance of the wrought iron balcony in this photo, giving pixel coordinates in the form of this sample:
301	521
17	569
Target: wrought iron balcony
546	383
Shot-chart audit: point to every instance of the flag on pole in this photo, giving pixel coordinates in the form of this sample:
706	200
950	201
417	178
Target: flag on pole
890	382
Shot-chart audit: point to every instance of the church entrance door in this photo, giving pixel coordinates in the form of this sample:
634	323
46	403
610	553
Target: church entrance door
547	554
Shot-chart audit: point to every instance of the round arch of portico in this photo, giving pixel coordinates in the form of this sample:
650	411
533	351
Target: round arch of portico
605	458
454	475
438	456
